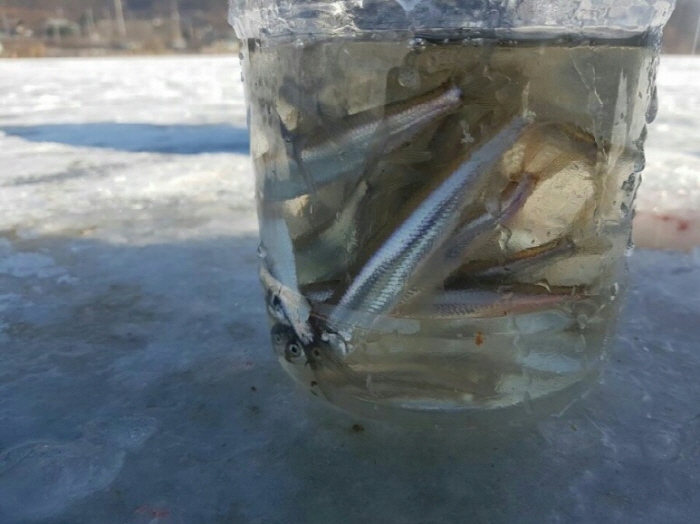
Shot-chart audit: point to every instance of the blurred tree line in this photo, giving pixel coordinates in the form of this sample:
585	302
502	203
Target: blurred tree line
680	36
66	27
215	11
682	32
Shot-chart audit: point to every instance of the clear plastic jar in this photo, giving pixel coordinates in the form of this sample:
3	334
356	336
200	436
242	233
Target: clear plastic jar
445	192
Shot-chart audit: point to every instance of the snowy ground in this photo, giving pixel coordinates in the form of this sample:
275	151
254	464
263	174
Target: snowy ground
668	206
136	380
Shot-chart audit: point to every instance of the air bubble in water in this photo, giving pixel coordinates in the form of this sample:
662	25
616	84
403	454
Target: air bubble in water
614	290
417	44
408	77
582	321
504	238
262	252
474	42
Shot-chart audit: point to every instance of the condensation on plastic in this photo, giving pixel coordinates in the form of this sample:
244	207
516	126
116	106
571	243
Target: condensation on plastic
521	18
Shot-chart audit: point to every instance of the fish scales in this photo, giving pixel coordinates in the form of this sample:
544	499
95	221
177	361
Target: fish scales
382	280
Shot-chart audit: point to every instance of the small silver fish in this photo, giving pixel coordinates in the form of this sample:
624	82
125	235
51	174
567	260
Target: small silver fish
328	253
527	260
364	139
328	368
287	306
470	303
278	251
381	282
469	238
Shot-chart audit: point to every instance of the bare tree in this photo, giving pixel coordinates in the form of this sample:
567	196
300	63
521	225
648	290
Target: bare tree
176	37
119	12
5	22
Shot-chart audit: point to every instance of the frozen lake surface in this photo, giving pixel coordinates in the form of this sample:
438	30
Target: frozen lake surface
137	383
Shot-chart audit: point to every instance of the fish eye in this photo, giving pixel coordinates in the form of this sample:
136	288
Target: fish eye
281	335
293	352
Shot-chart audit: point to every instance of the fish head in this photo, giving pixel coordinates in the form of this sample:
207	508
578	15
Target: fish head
291	309
281	335
275	307
294	352
285	342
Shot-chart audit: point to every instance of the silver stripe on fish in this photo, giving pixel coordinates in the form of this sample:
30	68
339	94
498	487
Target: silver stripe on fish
468	238
455	304
384	278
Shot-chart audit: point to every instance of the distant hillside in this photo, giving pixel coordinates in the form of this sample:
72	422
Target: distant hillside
214	11
150	6
680	35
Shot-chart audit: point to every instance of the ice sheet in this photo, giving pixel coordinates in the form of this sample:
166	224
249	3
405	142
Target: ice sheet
668	203
137	383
